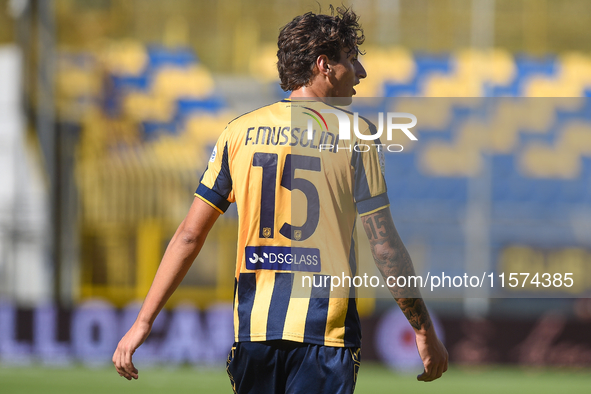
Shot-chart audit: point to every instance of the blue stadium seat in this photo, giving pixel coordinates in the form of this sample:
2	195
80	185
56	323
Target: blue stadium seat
571	192
121	83
153	130
181	57
186	106
117	85
425	65
526	67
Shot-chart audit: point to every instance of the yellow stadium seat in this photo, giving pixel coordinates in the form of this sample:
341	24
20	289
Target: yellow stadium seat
432	114
394	64
542	161
139	107
73	82
440	159
576	67
540	86
461	157
455	85
175	82
576	138
517	114
125	57
501	69
572	78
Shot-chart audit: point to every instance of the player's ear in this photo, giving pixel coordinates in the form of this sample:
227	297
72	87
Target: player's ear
322	65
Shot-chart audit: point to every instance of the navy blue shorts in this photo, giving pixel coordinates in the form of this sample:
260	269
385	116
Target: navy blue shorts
275	367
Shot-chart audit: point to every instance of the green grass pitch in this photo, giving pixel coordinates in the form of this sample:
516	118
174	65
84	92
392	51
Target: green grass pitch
373	378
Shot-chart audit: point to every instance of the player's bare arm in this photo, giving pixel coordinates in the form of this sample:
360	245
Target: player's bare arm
180	254
392	259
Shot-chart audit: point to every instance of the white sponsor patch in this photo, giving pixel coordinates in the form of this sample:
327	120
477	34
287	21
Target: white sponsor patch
213	154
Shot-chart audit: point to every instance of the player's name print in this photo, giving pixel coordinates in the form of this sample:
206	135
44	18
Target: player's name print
287	136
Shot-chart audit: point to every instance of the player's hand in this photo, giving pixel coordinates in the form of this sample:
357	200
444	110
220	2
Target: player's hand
136	335
433	354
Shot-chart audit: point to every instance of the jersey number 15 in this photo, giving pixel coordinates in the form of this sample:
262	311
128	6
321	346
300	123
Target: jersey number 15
268	161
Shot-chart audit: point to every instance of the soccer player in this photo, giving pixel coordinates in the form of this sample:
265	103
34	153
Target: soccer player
297	206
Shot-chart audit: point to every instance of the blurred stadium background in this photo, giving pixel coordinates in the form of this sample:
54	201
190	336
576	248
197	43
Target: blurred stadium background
108	113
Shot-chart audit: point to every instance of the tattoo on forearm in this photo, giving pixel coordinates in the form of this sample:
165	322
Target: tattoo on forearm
371	229
392	259
378	221
416	312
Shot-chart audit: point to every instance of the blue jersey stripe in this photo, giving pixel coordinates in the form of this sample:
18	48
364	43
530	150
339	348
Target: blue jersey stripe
268	161
317	311
352	324
352	255
246	292
373	203
279	304
223	182
234	298
361	186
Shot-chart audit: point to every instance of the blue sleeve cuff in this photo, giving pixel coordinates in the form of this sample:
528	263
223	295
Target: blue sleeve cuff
212	197
373	204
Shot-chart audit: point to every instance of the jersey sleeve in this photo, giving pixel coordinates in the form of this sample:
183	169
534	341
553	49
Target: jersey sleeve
215	186
370	191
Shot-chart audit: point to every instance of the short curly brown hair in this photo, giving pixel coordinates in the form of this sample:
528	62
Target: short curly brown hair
308	36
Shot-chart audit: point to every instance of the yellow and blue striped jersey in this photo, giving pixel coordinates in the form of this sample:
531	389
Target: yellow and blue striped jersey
298	189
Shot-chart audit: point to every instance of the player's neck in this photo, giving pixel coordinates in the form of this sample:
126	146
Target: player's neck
314	91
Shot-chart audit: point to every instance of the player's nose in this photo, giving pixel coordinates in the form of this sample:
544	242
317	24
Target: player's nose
360	70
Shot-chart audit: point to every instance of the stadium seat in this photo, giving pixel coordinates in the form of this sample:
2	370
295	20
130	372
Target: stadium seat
187	106
153	130
140	107
390	65
159	56
125	57
175	82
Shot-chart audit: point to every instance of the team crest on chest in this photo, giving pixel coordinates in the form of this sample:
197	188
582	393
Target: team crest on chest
266	232
297	235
